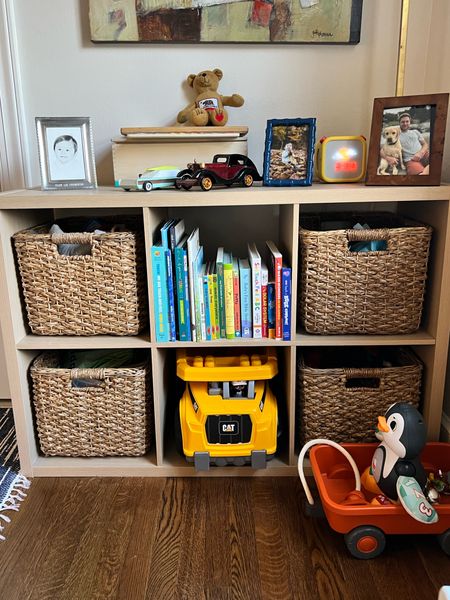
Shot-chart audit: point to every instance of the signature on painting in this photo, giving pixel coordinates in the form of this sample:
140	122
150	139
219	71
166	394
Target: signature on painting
321	34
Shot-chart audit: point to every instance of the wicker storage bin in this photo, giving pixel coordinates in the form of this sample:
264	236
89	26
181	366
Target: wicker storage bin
342	391
113	419
343	291
101	293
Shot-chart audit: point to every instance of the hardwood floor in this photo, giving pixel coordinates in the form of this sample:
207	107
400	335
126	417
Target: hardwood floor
80	539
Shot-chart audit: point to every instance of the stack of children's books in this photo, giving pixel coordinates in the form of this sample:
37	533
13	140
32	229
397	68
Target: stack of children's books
226	297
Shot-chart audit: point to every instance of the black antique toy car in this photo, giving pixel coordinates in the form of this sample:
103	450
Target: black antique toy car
225	169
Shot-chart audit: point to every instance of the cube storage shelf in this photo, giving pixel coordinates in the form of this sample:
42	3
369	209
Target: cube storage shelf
228	217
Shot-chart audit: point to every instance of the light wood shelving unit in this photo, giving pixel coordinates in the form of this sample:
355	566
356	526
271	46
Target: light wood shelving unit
228	217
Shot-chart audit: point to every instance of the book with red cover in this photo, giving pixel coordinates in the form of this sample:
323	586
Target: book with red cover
275	264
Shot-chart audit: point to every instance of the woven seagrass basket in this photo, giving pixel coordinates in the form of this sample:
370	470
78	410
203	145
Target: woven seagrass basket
341	402
344	291
103	292
112	419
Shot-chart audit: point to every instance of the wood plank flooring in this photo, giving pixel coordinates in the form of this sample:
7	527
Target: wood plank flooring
183	539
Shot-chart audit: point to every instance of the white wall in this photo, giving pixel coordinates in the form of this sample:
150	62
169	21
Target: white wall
64	74
428	57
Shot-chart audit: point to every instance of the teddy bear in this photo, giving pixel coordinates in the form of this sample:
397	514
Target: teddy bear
208	106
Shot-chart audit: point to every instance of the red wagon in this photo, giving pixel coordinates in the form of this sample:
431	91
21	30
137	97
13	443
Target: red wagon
365	526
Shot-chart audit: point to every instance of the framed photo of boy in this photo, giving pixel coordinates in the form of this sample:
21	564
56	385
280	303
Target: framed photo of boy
289	152
407	140
66	153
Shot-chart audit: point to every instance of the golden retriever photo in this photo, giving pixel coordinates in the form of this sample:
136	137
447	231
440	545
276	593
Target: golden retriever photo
391	148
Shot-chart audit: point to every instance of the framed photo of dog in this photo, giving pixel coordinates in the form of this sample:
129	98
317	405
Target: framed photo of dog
407	140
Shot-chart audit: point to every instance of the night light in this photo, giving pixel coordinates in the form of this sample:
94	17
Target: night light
341	159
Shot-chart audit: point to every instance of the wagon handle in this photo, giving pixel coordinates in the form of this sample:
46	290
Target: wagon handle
342	450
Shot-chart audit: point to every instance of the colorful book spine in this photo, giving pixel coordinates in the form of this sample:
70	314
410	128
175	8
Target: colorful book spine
160	294
264	301
271	309
236	299
182	285
220	291
175	234
200	322
255	265
245	280
208	328
212	301
216	305
286	286
171	296
276	262
193	244
228	294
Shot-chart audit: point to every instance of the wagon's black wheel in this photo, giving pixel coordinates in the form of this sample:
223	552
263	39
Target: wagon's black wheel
313	510
365	542
206	183
248	180
444	541
147	186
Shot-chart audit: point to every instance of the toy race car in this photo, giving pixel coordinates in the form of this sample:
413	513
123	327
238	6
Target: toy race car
150	179
227	413
225	169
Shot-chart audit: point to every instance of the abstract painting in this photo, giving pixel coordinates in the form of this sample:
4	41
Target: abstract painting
222	21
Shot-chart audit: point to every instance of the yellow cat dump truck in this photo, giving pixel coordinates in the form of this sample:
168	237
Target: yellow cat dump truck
227	413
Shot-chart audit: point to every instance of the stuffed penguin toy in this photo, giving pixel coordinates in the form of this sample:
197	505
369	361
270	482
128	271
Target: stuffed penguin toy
396	466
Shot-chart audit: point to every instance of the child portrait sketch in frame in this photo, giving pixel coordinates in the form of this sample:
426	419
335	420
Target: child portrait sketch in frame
289	150
407	140
66	153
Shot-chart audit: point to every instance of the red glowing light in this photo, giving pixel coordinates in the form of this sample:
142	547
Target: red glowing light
349	166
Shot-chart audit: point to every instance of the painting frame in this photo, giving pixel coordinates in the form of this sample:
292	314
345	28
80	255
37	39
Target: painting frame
66	153
431	174
215	22
268	178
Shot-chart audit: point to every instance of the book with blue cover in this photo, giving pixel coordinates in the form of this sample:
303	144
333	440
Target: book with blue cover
165	241
193	244
245	280
175	232
160	293
182	286
271	309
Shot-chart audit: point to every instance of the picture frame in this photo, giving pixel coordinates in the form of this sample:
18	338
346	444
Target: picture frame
225	21
407	140
289	152
66	153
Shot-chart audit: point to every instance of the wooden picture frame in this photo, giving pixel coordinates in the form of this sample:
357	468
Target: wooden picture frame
66	153
392	163
289	152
